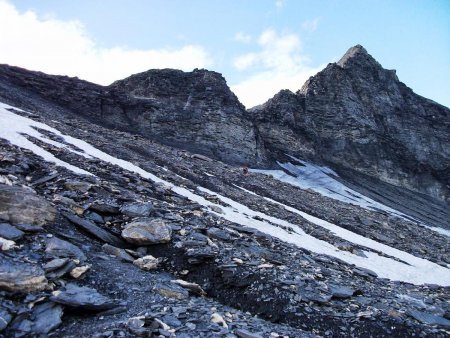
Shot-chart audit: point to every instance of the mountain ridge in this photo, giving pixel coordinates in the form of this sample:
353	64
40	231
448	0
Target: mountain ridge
346	109
127	211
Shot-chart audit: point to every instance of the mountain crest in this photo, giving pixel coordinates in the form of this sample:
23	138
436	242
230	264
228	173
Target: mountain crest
357	56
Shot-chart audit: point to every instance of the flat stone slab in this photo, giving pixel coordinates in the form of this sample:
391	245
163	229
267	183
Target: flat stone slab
429	318
59	248
10	232
119	253
95	230
79	297
137	209
40	321
341	291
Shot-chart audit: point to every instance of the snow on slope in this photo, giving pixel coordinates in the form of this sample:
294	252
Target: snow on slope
415	270
322	180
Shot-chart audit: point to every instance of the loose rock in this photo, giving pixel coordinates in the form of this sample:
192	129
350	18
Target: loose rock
120	253
147	263
82	298
147	231
10	232
19	205
21	277
79	271
137	209
59	248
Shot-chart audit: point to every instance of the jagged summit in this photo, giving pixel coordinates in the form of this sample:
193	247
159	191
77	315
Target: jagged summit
357	56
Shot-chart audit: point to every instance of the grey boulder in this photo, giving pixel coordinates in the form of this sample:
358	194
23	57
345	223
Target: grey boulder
147	231
21	206
21	277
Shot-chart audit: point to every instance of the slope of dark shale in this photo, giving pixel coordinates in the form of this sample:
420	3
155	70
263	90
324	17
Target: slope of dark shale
243	272
195	111
120	255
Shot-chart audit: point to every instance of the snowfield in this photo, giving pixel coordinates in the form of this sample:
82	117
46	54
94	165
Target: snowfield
411	269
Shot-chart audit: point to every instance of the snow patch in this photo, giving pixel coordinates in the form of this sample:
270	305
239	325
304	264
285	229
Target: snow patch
322	180
243	189
14	127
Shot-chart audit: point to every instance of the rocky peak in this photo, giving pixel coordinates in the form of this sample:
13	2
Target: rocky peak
358	115
191	110
197	111
357	55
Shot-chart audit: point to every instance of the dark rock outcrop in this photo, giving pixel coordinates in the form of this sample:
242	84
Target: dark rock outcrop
21	277
214	276
357	115
196	111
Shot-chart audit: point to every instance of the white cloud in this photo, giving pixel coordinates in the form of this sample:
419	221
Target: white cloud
279	64
311	25
280	3
242	37
64	47
245	61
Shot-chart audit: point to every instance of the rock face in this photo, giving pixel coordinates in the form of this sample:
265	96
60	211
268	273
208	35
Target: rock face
223	264
196	111
355	114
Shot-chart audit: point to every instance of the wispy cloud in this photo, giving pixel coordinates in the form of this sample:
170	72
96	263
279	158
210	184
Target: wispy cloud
311	25
242	37
64	47
278	64
279	4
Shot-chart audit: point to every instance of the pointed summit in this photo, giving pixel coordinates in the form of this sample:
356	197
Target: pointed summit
357	55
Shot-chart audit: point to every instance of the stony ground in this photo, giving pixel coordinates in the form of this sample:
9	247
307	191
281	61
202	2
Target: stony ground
119	255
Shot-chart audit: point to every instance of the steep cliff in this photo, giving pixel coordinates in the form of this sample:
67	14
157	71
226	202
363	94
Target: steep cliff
197	111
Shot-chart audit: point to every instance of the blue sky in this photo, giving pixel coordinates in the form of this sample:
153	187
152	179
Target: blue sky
260	46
